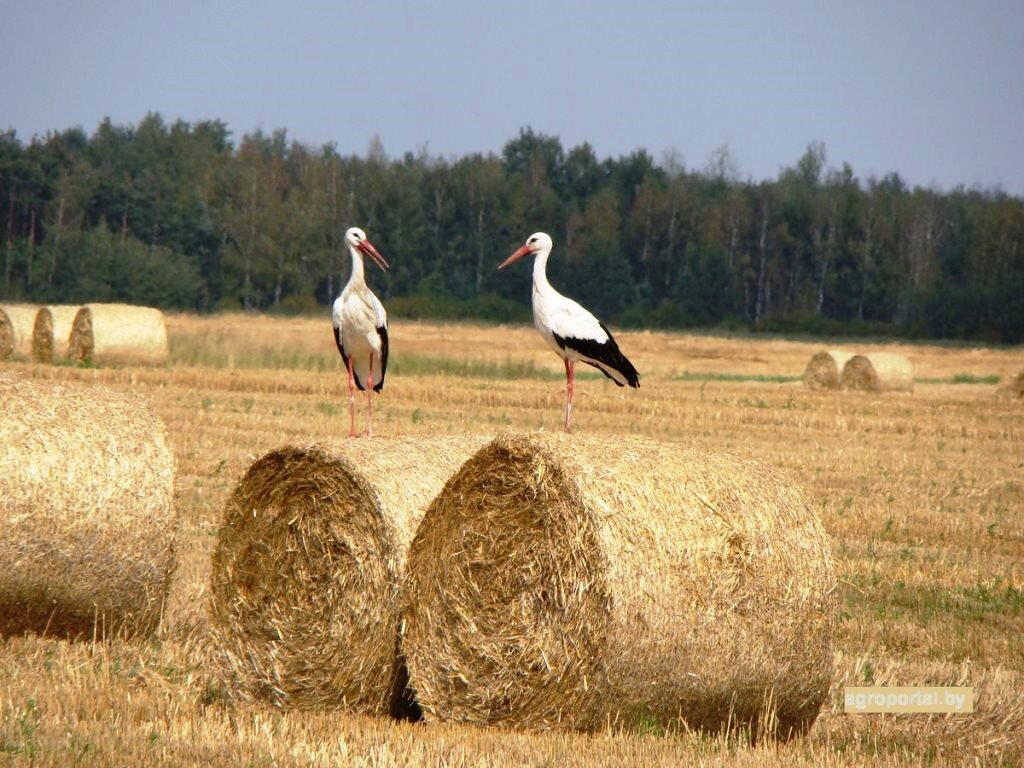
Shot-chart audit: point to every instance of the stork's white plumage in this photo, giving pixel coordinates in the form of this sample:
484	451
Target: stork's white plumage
361	329
570	330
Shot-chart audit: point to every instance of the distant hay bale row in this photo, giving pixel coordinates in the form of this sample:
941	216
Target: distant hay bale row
86	509
306	575
118	333
101	334
825	368
562	582
875	372
878	372
51	331
16	321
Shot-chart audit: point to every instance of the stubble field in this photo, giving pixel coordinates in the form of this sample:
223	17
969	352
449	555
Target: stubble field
922	494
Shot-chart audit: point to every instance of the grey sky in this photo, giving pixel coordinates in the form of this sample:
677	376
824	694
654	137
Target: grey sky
932	90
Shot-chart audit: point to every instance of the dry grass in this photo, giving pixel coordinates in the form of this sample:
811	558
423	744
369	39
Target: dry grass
306	574
920	493
555	583
118	334
86	482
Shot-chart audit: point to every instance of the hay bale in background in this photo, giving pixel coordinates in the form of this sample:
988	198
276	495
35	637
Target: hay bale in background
16	322
305	579
51	332
1013	389
878	372
568	582
825	367
86	509
107	334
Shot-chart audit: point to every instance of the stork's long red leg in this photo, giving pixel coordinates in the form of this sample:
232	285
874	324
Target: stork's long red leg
369	400
351	398
570	388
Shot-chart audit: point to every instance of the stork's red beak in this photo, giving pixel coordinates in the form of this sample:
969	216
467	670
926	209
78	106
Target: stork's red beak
524	251
367	247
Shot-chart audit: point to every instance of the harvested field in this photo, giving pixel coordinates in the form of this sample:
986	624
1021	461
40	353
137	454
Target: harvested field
574	582
86	482
306	574
919	493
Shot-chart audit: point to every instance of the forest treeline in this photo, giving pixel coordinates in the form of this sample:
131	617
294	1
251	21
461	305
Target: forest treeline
180	216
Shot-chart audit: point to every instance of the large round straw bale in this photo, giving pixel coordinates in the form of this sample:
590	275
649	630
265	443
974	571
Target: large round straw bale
1013	389
579	582
86	510
16	330
51	332
118	333
878	372
824	368
305	585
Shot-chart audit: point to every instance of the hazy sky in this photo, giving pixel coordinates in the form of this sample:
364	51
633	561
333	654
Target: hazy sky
933	89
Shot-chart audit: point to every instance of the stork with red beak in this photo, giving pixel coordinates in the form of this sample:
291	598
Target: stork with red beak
361	329
570	330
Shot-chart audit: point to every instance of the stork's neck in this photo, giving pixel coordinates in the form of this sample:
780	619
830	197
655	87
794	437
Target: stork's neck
358	271
540	272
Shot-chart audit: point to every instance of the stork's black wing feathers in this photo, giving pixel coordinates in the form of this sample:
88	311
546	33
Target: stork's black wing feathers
383	331
345	356
600	354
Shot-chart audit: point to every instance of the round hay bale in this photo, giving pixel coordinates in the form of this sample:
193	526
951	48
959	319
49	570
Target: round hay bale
16	322
824	368
1013	389
106	334
86	509
305	579
51	332
878	372
568	582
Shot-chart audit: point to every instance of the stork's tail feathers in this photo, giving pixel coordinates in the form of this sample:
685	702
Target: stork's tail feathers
618	369
603	355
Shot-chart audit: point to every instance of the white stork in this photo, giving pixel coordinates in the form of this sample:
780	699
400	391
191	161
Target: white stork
361	329
570	330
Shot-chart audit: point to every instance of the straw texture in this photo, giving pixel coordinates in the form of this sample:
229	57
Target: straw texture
305	582
824	369
51	332
574	582
878	372
86	510
16	330
106	334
